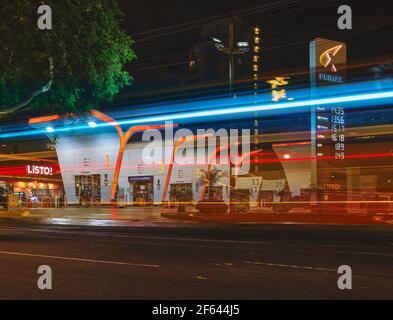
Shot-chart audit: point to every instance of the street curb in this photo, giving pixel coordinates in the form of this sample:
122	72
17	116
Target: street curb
190	224
277	219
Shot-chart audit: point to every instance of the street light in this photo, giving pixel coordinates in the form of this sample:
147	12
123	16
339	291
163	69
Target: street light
243	44
232	51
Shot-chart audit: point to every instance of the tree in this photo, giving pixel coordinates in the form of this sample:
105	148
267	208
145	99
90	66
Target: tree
74	67
211	177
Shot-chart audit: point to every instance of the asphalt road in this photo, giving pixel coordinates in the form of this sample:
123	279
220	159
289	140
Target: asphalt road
191	261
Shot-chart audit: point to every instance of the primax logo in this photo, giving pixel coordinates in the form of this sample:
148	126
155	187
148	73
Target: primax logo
326	57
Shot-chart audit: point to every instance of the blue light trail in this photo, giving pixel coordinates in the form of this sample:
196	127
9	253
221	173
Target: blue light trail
243	106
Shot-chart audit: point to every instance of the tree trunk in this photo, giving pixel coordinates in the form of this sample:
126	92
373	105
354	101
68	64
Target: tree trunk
33	95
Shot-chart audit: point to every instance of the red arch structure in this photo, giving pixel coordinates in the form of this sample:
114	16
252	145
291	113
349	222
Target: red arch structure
124	138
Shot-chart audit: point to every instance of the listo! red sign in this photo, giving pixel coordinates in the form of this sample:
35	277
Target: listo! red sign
39	170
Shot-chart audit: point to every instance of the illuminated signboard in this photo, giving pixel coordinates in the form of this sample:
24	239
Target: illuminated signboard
328	61
39	170
327	67
279	83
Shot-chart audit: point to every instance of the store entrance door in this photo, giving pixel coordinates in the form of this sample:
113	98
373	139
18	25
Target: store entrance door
142	190
88	188
181	192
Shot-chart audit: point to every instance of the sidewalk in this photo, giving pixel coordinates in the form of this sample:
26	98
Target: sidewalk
88	216
283	218
154	215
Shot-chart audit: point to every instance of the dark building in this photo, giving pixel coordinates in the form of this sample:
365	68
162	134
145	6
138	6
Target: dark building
210	65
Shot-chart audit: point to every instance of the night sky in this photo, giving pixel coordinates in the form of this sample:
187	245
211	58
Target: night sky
164	31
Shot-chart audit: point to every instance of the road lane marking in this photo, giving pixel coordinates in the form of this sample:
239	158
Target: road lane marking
289	266
79	259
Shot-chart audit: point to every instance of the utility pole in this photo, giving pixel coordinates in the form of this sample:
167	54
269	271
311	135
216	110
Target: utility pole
232	51
231	61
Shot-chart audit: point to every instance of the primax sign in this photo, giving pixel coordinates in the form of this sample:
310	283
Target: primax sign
331	78
327	67
328	61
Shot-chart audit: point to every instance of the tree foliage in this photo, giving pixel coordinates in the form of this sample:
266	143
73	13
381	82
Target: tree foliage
211	177
75	66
